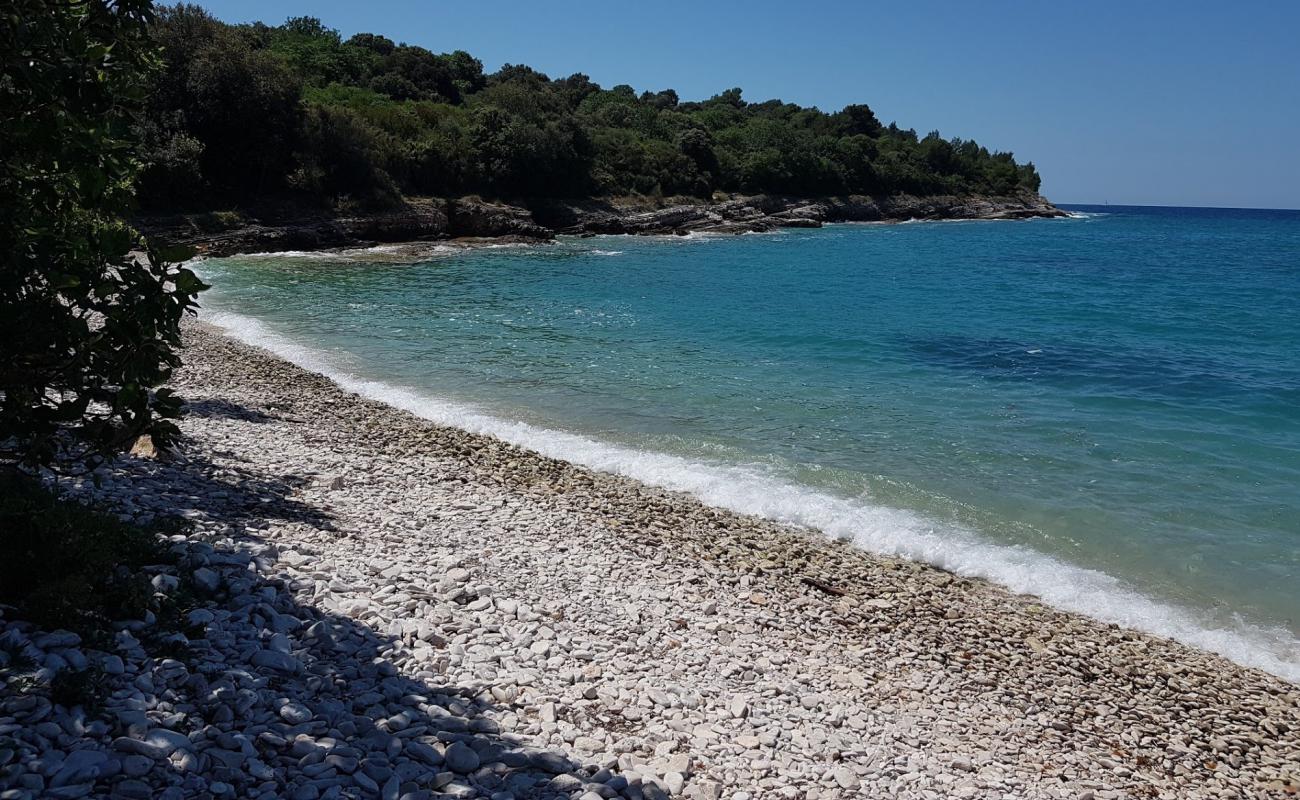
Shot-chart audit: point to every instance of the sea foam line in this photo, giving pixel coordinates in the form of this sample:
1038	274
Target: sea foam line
876	528
400	252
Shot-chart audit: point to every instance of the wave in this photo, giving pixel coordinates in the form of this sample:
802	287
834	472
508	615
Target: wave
957	220
316	254
1086	214
498	246
402	252
890	223
876	528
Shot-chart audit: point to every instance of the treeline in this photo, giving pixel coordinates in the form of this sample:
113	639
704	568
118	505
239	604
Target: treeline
244	113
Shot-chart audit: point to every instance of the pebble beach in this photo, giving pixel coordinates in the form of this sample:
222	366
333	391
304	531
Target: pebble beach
385	607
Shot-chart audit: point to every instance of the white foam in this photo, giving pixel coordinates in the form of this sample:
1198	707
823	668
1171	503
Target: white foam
873	527
686	238
317	254
400	253
963	220
504	245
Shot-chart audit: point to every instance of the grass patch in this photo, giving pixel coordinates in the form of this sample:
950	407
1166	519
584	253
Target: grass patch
218	221
86	688
68	566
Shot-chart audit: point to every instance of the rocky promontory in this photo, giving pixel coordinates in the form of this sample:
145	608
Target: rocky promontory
433	219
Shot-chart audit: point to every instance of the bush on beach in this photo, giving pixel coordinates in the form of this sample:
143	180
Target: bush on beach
68	566
89	312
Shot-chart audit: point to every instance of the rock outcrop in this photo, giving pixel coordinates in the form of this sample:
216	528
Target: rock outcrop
470	217
766	212
226	233
473	217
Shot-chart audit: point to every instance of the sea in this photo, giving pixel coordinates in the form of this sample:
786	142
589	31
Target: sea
1101	410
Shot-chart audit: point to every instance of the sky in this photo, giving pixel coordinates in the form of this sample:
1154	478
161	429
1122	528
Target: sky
1144	103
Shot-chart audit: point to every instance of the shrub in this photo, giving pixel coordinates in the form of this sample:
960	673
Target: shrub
218	221
89	327
68	566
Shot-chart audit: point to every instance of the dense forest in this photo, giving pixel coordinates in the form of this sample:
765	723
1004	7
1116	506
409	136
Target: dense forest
239	114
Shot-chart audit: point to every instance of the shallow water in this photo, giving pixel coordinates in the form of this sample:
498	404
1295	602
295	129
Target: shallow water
1104	411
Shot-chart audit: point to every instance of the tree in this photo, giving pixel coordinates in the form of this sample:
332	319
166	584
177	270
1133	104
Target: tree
859	120
346	157
730	97
239	99
171	175
310	27
317	54
89	327
466	72
697	145
432	76
373	42
243	104
576	88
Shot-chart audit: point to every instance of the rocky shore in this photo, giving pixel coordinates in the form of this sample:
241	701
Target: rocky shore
428	219
383	607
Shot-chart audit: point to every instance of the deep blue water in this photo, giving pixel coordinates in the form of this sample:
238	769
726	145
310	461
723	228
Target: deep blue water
1103	410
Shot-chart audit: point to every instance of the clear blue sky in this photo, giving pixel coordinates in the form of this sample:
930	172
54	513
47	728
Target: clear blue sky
1149	102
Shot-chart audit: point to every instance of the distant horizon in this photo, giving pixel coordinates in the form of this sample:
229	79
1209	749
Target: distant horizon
1168	205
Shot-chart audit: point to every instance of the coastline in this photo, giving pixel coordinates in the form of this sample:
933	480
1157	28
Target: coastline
776	662
880	529
471	220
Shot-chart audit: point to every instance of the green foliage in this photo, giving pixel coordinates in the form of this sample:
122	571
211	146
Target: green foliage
344	157
67	566
89	326
86	688
173	175
242	104
218	221
435	124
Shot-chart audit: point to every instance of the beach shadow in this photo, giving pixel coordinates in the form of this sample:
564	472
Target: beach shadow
345	721
372	732
224	409
189	485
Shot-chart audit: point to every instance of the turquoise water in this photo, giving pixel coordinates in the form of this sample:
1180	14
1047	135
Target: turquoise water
1104	411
